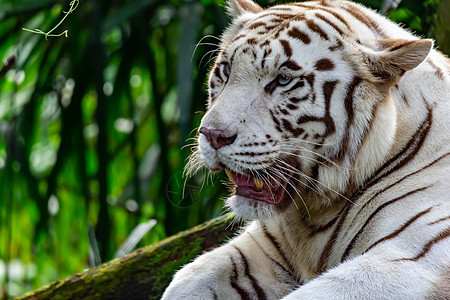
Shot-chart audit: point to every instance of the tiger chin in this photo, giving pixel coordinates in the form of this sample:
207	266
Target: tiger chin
331	122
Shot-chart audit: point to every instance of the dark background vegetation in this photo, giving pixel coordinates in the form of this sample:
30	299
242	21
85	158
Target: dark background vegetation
92	127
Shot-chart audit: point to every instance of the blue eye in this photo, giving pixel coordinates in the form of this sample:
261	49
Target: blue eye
283	80
226	69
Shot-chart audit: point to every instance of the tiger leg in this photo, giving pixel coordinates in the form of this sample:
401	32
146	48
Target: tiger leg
386	273
243	268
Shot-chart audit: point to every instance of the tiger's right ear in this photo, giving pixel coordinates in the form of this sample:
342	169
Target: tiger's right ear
396	56
236	8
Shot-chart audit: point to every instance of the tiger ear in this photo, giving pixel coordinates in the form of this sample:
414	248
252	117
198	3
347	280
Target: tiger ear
236	8
241	11
396	57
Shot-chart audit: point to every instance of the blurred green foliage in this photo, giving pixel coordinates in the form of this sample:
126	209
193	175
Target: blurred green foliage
92	127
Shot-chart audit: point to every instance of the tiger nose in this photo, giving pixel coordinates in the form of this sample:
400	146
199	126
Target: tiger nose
217	138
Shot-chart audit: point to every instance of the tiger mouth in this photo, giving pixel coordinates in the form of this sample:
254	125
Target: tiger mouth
269	189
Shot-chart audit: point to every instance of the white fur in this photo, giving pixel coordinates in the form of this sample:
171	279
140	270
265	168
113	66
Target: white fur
388	110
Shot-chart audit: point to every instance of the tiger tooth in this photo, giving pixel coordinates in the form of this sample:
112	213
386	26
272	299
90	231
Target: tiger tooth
258	183
229	175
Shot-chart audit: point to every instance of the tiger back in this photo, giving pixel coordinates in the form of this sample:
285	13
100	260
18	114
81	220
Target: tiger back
332	123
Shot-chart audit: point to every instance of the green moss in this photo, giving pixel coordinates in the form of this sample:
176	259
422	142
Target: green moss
145	273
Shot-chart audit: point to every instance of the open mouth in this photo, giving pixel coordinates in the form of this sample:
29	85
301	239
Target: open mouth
270	189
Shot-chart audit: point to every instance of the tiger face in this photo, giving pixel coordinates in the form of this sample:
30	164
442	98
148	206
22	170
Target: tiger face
292	100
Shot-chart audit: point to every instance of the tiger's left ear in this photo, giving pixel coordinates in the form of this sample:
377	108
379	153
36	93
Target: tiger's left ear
396	57
236	8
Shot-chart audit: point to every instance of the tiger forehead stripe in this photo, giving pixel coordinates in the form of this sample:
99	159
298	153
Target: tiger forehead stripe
252	41
337	46
274	17
302	5
323	18
324	64
300	35
365	19
266	43
256	25
239	37
286	47
290	64
336	15
266	53
316	28
286	8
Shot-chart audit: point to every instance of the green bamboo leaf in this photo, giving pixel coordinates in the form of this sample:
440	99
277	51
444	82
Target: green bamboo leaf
135	236
94	253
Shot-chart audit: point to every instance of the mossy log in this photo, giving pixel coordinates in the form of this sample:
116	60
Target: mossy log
143	274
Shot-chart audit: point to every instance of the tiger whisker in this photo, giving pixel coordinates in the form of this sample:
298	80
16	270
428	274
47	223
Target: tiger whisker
210	59
209	36
192	138
312	185
296	140
186	177
309	179
319	182
282	175
190	145
211	52
195	129
200	43
193	166
304	157
300	148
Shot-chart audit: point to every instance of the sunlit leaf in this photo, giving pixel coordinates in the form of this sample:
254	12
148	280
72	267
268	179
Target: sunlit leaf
94	254
135	236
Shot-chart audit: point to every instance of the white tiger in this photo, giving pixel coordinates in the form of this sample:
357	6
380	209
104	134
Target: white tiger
333	124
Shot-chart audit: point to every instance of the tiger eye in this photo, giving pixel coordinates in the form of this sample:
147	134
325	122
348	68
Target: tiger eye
283	80
227	69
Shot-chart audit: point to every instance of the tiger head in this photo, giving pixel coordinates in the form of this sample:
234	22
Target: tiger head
299	111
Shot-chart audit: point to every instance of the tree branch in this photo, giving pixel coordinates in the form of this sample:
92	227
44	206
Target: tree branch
143	274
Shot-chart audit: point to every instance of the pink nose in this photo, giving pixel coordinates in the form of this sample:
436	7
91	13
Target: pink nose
217	138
